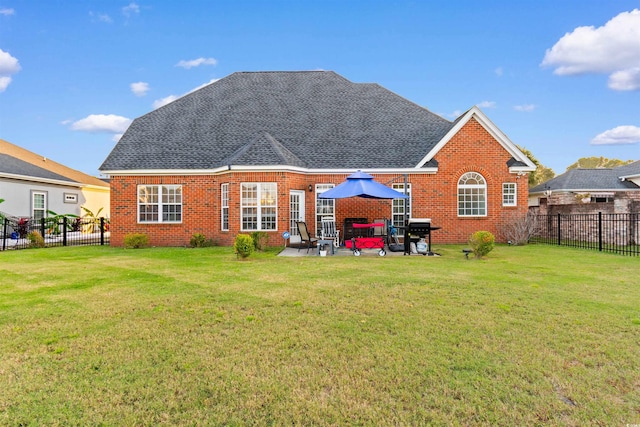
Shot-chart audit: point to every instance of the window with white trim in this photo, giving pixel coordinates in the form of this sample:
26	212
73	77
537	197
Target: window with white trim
160	203
472	195
324	207
258	206
38	205
509	193
398	211
224	203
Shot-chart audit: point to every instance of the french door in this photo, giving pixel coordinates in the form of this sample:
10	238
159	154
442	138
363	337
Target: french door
296	213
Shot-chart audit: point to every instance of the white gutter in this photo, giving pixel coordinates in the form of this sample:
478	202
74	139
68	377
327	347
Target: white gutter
41	180
265	168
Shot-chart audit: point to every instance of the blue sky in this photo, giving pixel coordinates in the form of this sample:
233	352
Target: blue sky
559	77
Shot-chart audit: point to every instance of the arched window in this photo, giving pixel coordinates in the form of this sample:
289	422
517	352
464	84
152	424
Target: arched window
472	195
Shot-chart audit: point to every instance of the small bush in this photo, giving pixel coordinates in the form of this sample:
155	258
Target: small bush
243	245
199	240
35	240
518	229
260	240
481	243
136	241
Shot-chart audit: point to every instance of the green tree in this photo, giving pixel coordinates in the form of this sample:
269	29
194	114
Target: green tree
541	174
598	163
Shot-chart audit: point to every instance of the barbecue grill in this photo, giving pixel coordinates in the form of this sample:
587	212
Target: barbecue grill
416	229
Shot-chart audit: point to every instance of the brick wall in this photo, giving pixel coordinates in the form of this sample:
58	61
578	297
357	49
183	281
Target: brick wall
471	149
432	196
624	202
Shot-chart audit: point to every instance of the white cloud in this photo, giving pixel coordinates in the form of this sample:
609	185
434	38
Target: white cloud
196	62
611	49
620	135
4	83
139	88
116	137
203	85
109	123
168	99
525	108
499	71
100	17
7	11
131	9
487	104
625	79
8	66
164	101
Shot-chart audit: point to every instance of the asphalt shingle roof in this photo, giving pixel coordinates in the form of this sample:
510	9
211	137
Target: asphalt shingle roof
19	161
14	166
587	179
632	169
312	119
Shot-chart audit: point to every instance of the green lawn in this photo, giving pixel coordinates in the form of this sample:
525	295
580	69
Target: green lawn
534	335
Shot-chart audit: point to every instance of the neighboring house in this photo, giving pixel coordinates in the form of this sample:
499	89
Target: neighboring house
613	190
31	185
253	151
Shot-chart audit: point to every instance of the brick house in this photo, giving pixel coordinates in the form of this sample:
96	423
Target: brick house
253	151
588	191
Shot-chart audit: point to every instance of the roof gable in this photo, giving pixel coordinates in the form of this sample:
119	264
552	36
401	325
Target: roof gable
264	149
518	162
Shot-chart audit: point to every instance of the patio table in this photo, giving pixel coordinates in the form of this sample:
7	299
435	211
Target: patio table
324	243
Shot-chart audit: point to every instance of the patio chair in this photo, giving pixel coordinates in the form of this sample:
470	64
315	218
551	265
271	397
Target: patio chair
329	231
305	236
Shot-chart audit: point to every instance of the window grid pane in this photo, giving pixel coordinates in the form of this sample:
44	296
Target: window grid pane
224	195
268	219
509	194
249	218
324	207
39	206
258	206
472	191
153	199
398	206
171	204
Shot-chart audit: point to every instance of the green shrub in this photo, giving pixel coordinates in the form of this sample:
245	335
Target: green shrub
199	240
136	241
260	240
35	240
243	245
482	243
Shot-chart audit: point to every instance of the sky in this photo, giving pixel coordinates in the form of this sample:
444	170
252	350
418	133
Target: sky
559	77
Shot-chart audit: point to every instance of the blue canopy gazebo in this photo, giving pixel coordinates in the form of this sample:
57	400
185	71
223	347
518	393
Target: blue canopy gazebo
362	184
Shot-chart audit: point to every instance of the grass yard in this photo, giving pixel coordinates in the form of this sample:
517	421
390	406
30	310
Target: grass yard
534	335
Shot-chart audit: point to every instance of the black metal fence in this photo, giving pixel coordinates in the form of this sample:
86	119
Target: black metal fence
23	233
615	233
